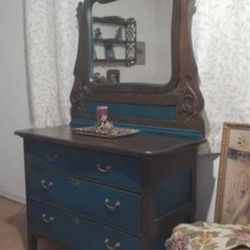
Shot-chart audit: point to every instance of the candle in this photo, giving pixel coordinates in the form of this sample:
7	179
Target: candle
102	113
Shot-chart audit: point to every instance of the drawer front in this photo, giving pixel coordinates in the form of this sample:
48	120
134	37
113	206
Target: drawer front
107	167
77	233
109	205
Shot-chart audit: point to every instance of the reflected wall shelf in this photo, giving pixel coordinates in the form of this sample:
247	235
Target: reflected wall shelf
129	43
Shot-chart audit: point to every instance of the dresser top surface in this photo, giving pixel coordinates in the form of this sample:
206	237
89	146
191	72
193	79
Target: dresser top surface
140	145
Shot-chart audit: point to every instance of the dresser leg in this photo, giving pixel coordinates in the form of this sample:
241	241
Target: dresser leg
32	243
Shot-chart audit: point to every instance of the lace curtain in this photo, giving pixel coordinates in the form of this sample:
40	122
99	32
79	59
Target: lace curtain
221	37
51	42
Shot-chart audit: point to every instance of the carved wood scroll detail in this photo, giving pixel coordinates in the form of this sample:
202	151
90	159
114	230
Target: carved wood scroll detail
188	99
190	103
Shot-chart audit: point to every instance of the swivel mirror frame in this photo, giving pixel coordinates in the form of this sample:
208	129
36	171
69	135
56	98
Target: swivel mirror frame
181	92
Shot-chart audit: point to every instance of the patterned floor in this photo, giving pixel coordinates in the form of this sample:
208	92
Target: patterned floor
13	228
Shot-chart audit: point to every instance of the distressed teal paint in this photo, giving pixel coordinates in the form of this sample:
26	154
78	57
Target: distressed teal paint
83	163
157	112
73	232
88	198
172	132
173	192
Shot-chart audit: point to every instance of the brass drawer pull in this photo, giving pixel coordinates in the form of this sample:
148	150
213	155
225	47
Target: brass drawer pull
117	245
51	157
47	220
77	221
111	207
45	185
103	170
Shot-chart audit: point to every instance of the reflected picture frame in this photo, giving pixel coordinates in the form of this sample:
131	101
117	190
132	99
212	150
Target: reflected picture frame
113	76
233	191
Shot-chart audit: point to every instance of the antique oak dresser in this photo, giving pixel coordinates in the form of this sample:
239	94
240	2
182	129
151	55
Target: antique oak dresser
90	193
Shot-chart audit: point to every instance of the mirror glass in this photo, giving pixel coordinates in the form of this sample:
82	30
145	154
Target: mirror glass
132	42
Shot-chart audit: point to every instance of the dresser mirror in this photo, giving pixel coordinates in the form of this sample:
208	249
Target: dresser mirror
136	57
131	42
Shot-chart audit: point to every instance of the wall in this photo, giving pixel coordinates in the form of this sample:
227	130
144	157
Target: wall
13	98
207	173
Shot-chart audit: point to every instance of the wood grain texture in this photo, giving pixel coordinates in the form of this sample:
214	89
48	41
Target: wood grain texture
140	145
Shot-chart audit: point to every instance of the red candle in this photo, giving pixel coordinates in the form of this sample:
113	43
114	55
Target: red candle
102	113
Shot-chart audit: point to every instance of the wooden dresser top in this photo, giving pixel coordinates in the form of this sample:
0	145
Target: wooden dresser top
140	145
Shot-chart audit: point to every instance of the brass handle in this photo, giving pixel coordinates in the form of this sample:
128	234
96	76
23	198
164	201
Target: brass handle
77	221
51	157
103	170
47	220
113	207
109	247
45	185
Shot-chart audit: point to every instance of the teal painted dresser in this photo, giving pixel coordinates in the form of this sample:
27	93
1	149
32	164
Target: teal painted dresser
87	193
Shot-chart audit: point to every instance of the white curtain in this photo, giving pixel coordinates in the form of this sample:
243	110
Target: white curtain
221	36
51	39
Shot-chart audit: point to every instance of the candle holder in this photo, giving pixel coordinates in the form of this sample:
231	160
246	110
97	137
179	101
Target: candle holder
103	127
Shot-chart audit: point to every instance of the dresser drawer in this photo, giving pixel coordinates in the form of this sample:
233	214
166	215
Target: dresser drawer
109	205
109	168
78	233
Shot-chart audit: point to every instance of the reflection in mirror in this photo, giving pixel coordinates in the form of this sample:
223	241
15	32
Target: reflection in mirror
132	41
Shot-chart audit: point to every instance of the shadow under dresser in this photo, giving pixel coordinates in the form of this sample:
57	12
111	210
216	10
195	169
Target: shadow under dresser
122	194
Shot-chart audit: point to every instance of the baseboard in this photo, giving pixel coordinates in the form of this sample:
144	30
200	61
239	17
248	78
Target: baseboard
13	197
